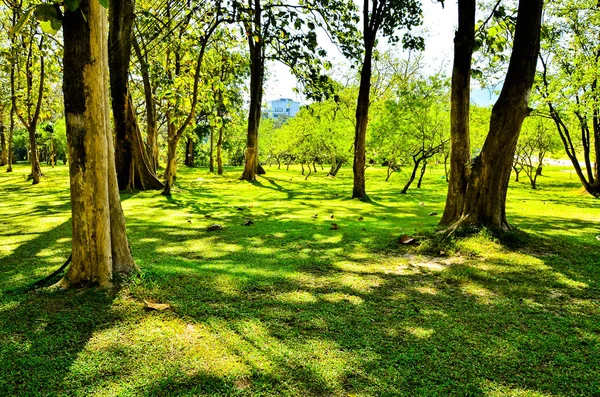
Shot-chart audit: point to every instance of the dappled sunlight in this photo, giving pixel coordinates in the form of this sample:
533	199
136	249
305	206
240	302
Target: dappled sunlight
288	304
419	332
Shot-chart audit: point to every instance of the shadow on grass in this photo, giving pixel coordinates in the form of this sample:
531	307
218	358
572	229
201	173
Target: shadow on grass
289	306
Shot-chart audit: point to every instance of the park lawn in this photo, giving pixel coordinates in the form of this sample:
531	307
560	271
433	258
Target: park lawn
289	307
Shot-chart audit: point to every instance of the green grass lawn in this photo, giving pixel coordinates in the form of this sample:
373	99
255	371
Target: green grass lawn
290	307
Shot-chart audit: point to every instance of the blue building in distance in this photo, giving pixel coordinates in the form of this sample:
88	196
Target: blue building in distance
282	107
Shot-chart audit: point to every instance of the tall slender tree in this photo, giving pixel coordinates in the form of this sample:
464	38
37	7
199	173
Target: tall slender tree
385	17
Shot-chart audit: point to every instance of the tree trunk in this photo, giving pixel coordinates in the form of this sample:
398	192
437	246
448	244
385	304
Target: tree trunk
422	174
3	154
390	171
412	177
362	119
219	145
134	169
517	172
171	169
256	87
100	248
211	159
460	157
151	123
485	199
189	153
335	168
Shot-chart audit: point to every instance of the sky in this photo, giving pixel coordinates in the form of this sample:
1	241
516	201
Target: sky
438	29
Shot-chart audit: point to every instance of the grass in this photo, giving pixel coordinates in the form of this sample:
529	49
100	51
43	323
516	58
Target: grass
290	307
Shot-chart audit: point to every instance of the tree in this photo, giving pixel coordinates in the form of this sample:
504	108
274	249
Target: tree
33	42
569	85
484	201
134	168
535	142
213	15
100	248
460	98
385	17
286	33
412	128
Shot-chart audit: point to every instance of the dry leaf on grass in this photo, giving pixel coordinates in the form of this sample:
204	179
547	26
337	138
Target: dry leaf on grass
334	226
404	239
157	306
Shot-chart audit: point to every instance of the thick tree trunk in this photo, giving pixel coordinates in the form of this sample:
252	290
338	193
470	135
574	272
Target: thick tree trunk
100	248
460	157
134	169
219	145
362	120
485	199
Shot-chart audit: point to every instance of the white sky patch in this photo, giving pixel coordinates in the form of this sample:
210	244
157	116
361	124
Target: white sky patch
438	29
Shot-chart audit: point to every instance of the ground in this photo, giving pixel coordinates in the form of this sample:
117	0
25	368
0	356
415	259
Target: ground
289	306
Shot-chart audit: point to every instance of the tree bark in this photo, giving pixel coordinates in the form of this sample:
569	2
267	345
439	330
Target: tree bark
362	118
134	169
100	248
3	154
189	153
257	66
151	122
460	157
412	177
219	145
211	160
485	198
423	169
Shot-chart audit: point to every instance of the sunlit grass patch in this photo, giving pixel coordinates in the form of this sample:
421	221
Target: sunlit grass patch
289	306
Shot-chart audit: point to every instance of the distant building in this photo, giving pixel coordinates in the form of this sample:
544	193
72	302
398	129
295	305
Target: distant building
282	107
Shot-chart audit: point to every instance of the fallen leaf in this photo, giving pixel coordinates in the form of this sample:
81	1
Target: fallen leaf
240	209
331	216
361	218
598	238
334	226
248	222
421	204
214	227
433	214
404	239
157	306
315	216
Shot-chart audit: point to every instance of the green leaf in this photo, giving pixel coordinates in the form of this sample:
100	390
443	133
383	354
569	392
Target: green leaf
22	21
104	3
50	27
72	5
45	12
